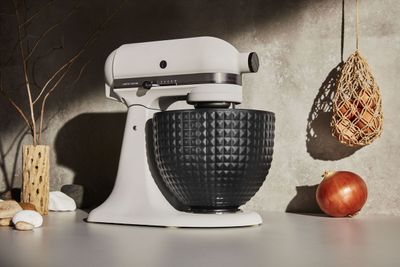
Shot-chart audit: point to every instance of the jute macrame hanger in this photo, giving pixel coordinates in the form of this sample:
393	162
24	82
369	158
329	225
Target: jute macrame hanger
357	107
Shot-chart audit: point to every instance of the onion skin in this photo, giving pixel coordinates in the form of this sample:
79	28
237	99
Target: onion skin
341	194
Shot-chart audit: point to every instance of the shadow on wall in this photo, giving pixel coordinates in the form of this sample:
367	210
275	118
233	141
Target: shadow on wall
305	200
319	140
9	175
90	145
320	143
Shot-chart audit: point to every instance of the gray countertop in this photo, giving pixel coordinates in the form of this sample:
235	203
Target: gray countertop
284	239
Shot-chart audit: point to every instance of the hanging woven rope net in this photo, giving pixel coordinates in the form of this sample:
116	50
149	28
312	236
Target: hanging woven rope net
357	107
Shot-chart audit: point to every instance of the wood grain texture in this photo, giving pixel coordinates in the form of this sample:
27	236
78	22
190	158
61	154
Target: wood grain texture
35	184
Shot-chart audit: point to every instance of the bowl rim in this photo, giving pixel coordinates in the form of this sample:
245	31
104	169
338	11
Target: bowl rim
217	109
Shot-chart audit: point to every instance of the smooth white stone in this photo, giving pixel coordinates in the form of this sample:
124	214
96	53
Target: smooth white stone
58	201
28	216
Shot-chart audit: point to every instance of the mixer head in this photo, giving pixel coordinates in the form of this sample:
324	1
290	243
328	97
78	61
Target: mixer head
210	66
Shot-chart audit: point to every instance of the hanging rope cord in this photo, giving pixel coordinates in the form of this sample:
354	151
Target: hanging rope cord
357	25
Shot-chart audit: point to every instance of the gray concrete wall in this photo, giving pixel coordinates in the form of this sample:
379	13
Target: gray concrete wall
299	44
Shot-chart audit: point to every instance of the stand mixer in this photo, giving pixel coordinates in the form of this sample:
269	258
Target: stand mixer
206	72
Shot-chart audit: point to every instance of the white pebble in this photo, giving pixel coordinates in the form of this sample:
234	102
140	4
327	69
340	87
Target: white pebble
58	201
28	216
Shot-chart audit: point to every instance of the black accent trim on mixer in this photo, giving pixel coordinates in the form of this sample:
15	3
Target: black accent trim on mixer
214	104
183	79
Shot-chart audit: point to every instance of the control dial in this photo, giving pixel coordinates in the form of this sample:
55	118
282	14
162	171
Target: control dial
254	62
147	84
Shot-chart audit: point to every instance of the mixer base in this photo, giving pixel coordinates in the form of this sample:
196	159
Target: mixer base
180	219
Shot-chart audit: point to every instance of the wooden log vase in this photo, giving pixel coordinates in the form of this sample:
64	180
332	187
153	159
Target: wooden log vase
35	183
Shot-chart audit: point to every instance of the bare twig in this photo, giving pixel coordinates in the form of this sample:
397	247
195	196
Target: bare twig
22	84
45	99
68	65
19	110
41	129
46	32
36	61
37	13
49	120
53	77
90	40
57	77
25	67
80	73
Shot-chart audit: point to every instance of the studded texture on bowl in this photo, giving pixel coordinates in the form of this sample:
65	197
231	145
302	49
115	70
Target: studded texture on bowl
213	159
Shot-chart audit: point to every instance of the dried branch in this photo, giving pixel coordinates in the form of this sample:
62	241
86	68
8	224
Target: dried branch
80	73
25	67
37	13
36	61
68	65
46	32
19	110
53	77
12	102
45	99
57	77
22	85
50	119
90	40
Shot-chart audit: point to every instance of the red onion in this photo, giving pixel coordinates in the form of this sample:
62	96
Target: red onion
341	193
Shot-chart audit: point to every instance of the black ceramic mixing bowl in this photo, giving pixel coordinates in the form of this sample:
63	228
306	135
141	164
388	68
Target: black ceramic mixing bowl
213	159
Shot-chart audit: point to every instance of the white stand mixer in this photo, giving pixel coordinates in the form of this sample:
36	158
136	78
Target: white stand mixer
202	70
